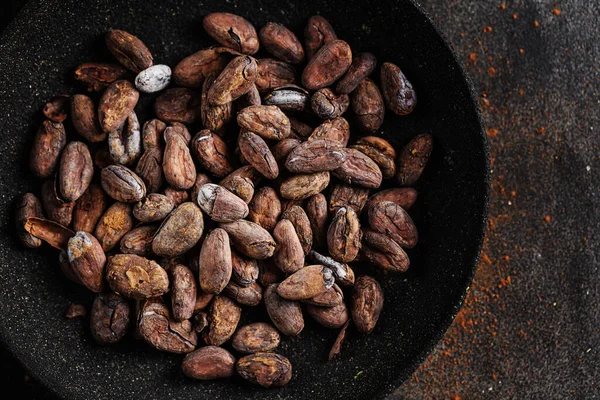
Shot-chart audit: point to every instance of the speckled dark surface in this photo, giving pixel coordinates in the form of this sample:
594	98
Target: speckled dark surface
418	307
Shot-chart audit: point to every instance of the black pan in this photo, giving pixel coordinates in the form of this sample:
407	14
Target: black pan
37	54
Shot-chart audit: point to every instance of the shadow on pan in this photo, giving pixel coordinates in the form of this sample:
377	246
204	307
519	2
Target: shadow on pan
48	39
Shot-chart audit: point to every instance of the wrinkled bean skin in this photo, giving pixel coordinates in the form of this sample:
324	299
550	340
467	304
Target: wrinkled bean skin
329	63
281	42
130	51
329	105
269	122
223	317
27	207
316	156
178	105
265	369
179	232
232	31
334	129
383	252
362	66
208	363
285	314
234	81
97	76
367	104
300	187
413	159
366	303
110	318
256	338
48	144
344	235
400	97
85	118
273	74
215	262
194	69
256	151
392	220
358	169
116	103
212	153
317	33
380	151
403	197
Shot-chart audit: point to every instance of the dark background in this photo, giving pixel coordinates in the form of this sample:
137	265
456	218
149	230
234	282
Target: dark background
530	327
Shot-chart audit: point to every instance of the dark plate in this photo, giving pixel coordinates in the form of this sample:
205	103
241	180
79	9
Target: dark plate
37	54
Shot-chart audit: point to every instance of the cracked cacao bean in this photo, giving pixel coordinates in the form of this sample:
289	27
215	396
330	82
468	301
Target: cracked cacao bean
28	206
392	220
110	318
383	252
232	31
344	235
234	81
317	33
122	184
328	105
211	152
162	332
97	76
362	66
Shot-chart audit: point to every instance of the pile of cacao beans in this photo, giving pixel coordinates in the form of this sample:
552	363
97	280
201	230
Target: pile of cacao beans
274	202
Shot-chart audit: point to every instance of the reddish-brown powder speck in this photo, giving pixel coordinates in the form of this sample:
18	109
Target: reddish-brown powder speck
492	132
515	16
536	24
547	219
473	57
491	71
556	11
521	51
503	6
